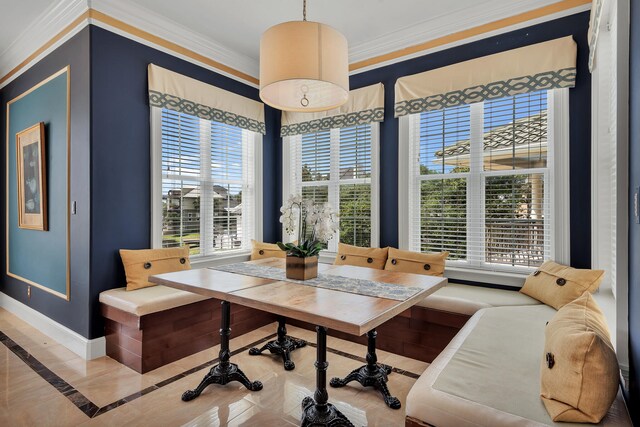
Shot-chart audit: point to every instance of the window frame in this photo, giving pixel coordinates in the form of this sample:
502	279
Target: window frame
255	216
288	187
558	168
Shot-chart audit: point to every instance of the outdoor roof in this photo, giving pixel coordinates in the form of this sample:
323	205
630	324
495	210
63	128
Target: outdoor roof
527	131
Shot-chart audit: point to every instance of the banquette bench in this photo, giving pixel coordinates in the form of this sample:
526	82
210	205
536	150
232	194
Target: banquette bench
489	375
151	327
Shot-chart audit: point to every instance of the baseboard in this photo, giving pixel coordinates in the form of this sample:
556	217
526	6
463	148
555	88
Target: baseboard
83	347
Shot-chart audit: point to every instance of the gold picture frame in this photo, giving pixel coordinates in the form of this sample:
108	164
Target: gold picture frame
31	174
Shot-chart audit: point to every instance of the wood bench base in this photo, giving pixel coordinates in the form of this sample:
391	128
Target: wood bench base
147	342
418	333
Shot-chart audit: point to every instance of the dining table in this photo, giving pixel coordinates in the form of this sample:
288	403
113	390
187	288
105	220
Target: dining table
350	299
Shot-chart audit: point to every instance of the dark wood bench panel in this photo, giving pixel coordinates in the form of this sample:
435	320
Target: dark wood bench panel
147	342
419	333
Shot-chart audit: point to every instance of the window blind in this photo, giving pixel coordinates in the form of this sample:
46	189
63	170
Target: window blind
337	166
479	183
207	184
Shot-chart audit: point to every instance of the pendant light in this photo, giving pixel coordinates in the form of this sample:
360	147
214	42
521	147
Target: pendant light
303	66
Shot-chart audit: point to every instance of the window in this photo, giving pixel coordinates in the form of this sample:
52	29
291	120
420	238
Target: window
204	184
480	182
338	166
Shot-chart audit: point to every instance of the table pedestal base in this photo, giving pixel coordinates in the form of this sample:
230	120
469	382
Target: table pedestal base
222	376
316	411
312	415
224	372
283	346
372	374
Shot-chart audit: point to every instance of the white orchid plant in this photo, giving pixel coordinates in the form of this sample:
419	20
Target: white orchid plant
301	215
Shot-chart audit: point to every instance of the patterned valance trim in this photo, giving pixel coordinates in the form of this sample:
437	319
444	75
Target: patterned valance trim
594	30
365	105
541	66
170	102
342	121
543	81
176	92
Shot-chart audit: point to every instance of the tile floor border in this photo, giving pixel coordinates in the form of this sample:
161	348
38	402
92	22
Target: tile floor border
92	410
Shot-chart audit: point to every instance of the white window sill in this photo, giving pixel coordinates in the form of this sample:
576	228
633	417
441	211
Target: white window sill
215	260
485	276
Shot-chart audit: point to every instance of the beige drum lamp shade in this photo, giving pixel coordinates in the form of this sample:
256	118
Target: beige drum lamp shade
303	67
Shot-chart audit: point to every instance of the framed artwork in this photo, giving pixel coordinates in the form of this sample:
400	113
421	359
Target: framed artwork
32	178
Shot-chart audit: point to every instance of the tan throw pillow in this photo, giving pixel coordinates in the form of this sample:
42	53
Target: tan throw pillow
556	284
140	264
579	373
261	250
431	264
361	257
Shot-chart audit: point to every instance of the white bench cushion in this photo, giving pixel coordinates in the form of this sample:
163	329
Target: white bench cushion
467	299
489	375
148	300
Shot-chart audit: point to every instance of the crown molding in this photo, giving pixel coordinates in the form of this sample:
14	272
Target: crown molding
39	32
443	25
165	28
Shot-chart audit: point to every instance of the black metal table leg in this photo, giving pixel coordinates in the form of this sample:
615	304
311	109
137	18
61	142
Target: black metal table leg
373	374
283	346
225	371
316	411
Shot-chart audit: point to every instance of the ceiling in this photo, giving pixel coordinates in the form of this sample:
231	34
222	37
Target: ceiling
20	14
229	30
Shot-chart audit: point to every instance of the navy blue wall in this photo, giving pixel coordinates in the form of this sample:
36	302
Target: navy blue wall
74	313
580	112
120	158
634	229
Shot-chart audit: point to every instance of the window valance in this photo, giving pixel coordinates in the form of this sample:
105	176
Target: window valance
176	92
594	30
365	105
547	65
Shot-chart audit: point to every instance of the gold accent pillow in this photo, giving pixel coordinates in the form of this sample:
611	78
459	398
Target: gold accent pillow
556	284
142	263
579	370
361	257
431	264
260	250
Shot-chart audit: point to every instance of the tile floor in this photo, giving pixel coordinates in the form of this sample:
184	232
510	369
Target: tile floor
27	399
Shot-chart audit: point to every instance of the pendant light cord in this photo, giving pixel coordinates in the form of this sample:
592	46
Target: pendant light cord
304	10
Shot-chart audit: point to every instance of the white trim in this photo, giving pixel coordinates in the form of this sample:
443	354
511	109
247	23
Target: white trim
375	185
42	29
258	188
485	276
215	260
333	186
156	176
171	52
83	347
622	229
558	167
249	185
358	54
615	43
558	123
161	26
404	160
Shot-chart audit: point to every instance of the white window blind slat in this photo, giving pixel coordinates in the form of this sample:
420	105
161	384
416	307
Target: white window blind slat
207	184
336	166
479	184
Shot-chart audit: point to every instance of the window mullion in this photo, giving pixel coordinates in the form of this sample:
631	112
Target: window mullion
206	189
475	188
334	182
